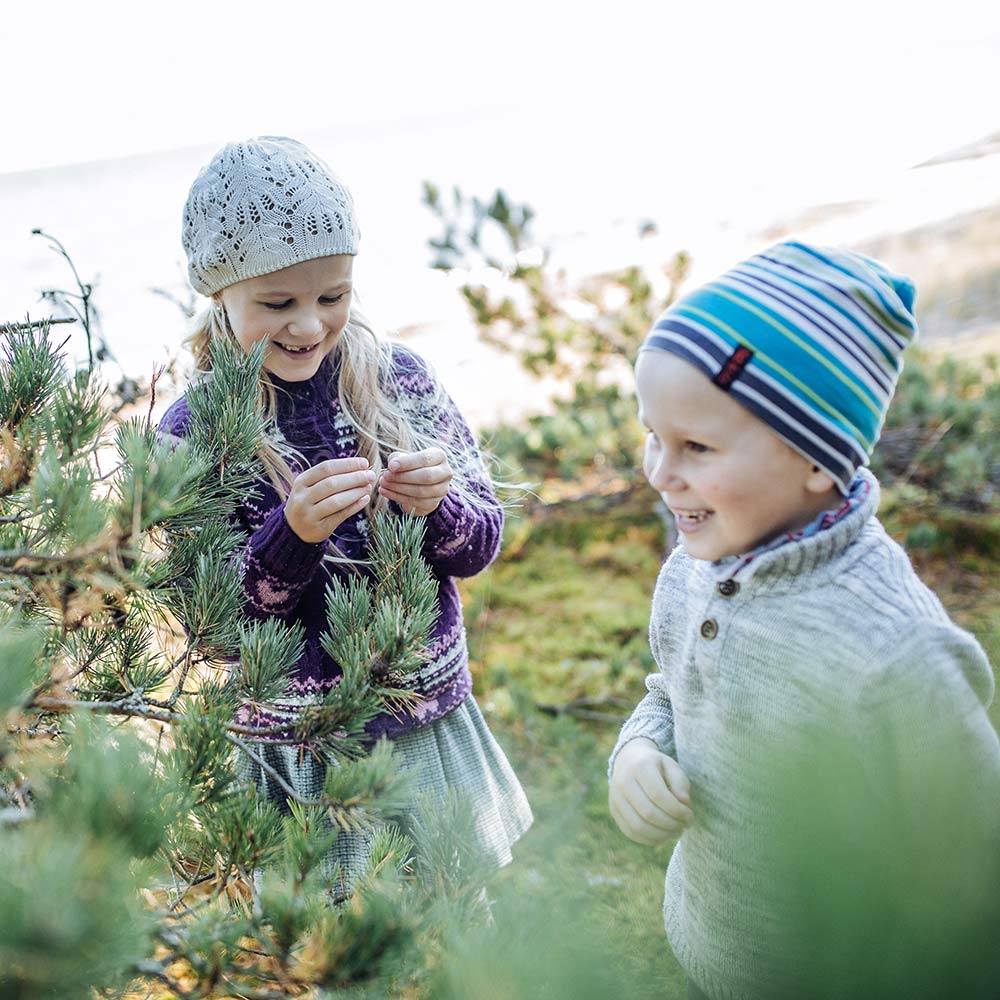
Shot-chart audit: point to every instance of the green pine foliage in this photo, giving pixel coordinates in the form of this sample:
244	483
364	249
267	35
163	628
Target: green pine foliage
130	846
942	432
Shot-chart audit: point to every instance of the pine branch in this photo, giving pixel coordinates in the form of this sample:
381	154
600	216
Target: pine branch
92	630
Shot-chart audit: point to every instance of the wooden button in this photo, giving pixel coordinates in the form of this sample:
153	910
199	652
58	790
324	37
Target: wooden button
709	628
728	588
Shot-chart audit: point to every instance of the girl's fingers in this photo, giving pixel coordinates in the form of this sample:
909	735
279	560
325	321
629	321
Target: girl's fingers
400	461
333	467
411	505
336	505
425	475
414	492
331	486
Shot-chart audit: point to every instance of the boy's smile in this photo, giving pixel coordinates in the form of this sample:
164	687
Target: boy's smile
730	481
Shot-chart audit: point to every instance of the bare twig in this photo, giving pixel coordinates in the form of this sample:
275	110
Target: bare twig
179	688
157	375
17	519
924	451
141	710
595	501
36	324
85	291
587	708
155	970
271	772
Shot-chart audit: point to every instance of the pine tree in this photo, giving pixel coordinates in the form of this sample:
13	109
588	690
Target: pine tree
128	843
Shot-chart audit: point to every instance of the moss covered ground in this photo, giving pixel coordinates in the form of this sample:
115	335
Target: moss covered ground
560	620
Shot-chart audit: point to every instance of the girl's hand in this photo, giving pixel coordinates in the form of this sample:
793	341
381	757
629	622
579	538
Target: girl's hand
649	796
326	495
418	482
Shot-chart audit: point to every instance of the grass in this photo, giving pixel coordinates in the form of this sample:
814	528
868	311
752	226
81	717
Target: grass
563	616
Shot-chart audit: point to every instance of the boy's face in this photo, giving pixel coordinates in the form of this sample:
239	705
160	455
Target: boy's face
729	480
300	311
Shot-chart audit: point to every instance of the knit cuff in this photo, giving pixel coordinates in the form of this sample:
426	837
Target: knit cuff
277	550
462	538
651	727
443	524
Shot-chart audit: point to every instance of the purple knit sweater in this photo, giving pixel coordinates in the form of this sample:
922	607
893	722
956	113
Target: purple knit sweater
286	577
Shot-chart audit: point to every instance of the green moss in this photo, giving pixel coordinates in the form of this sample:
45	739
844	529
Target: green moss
567	620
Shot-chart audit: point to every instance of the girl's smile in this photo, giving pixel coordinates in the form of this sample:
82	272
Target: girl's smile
300	311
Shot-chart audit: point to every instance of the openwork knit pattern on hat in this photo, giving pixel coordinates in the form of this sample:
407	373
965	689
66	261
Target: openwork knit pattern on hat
809	339
262	205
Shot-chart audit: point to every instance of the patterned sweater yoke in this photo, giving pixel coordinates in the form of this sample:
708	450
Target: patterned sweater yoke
286	577
829	633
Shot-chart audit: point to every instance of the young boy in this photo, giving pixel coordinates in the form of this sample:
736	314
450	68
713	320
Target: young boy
816	734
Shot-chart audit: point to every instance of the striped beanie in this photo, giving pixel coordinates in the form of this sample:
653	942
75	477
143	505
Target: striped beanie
809	339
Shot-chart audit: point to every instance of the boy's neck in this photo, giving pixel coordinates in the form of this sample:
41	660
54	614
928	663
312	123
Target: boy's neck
829	513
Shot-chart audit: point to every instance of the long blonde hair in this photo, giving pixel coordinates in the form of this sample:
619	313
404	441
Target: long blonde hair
384	418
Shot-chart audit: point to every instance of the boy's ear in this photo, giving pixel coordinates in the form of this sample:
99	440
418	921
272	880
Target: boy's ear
819	481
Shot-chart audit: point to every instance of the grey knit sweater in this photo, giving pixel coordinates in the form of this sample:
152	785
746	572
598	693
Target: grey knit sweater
833	629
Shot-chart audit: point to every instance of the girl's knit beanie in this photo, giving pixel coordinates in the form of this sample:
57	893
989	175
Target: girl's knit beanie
809	339
259	206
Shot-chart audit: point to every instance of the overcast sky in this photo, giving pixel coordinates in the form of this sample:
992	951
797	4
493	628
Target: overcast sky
722	82
712	119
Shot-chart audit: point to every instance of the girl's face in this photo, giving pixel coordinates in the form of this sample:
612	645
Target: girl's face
300	311
730	481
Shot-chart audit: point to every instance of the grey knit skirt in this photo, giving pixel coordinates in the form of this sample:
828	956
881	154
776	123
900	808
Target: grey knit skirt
456	752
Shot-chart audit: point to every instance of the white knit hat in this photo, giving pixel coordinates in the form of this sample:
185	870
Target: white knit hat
262	205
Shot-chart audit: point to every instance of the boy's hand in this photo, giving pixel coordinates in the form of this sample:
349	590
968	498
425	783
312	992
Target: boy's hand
649	797
326	495
418	482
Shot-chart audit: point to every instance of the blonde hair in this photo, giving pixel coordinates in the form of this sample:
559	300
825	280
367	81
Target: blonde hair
385	419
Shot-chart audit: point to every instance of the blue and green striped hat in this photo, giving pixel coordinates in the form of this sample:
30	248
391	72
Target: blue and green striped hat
809	339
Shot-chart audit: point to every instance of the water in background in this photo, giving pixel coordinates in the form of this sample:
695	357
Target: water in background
120	220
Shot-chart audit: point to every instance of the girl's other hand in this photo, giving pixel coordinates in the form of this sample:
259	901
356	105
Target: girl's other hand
418	481
649	796
326	495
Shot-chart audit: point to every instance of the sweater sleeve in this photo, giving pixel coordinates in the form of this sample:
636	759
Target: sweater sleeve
653	718
276	565
924	715
463	534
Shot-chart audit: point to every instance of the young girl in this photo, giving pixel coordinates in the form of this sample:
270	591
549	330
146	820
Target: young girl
270	236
